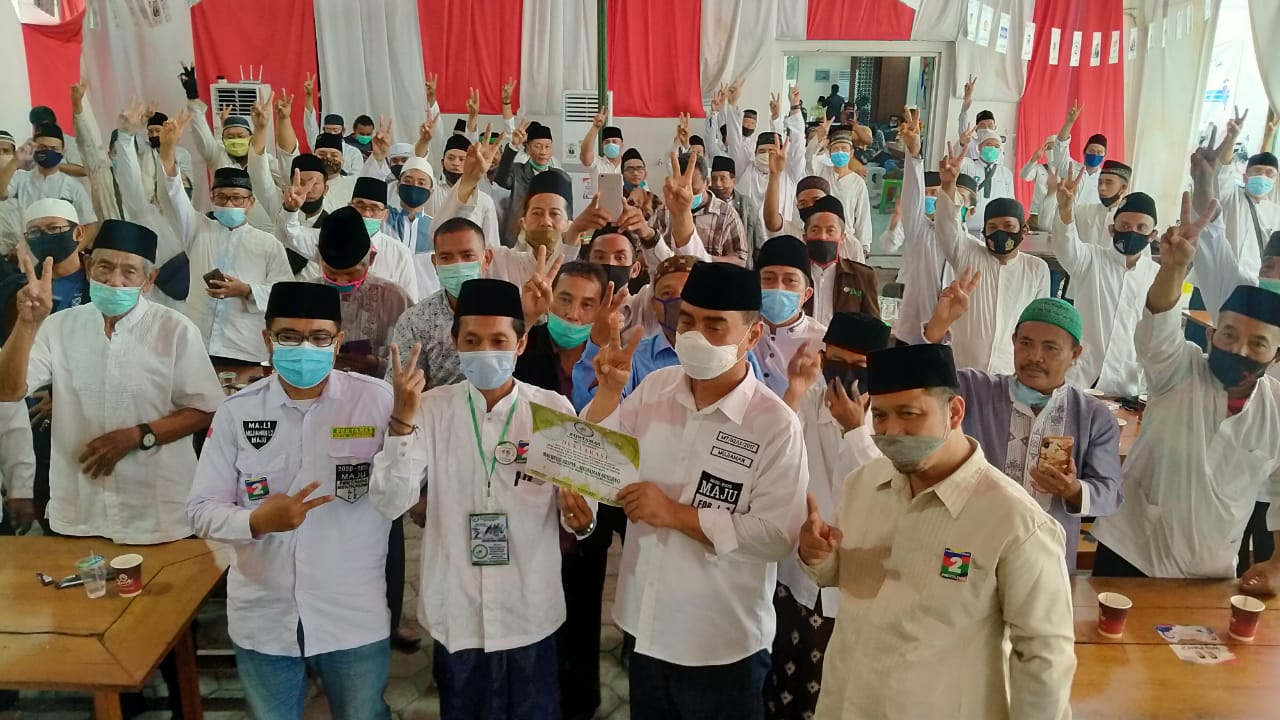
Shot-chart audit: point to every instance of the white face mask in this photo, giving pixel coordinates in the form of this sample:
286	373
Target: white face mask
762	162
700	359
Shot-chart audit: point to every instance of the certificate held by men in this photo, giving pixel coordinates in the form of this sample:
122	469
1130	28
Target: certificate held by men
593	461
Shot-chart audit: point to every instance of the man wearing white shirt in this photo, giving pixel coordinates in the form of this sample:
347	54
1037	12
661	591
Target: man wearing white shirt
47	181
1095	154
785	286
17	470
135	384
451	166
352	159
994	180
338	183
491	595
1093	221
753	165
827	390
721	498
1250	213
609	160
1011	279
832	164
306	592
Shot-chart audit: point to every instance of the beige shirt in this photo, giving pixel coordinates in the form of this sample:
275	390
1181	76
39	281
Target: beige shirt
917	641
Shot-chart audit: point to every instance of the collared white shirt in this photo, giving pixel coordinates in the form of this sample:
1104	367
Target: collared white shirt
833	455
1001	187
1087	194
602	165
154	364
742	462
904	624
924	270
517	266
981	337
1242	233
232	327
328	574
1093	223
29	186
481	210
465	606
779	344
394	261
17	455
1193	475
753	181
1110	297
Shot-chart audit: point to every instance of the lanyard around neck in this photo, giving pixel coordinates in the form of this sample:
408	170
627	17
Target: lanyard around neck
490	463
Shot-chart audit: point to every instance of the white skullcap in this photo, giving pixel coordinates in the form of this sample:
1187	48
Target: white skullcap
420	164
985	135
50	207
400	150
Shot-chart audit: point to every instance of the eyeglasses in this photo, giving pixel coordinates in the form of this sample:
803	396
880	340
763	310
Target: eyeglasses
236	201
37	232
289	338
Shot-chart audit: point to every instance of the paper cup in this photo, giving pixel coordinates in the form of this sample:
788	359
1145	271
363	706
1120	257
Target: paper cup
1246	611
1113	609
128	572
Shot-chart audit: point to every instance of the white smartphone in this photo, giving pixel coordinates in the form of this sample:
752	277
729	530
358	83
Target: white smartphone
611	194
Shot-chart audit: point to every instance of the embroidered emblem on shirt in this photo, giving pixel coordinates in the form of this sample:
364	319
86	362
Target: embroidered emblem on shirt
717	493
731	456
351	481
259	432
732	441
256	488
354	433
955	565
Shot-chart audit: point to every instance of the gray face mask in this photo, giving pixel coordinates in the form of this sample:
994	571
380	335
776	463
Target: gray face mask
908	452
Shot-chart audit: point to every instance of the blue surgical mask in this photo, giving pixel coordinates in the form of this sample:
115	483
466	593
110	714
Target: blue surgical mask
230	217
1272	284
840	158
113	301
487	369
1259	185
1027	396
452	276
412	195
697	201
302	366
990	154
372	225
612	150
1093	160
566	334
930	204
779	306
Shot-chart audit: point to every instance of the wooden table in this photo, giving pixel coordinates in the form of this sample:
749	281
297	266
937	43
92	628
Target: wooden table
1199	317
1135	677
54	639
1129	431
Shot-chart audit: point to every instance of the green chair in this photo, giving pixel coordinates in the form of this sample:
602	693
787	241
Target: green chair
889	199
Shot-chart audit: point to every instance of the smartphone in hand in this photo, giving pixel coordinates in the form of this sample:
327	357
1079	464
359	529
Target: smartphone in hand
611	199
214	274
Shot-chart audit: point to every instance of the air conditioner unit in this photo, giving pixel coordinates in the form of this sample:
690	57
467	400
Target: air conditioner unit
577	113
240	97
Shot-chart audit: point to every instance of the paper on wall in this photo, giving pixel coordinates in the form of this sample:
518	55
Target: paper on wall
1113	56
1055	44
1002	35
1077	44
1095	52
1133	43
971	20
1028	40
984	25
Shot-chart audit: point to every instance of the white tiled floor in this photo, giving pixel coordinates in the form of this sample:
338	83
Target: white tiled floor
410	692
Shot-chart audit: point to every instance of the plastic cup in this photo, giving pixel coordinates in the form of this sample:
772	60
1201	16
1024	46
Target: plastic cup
93	570
228	379
1113	610
1246	611
128	571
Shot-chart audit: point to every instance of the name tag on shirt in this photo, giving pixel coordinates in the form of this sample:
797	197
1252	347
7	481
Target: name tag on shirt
489	539
354	433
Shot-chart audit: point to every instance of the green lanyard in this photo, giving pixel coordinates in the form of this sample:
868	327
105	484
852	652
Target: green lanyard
492	460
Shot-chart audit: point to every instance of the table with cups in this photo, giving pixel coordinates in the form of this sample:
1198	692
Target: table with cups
109	634
1137	675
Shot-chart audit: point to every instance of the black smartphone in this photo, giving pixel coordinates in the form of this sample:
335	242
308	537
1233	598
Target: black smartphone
214	274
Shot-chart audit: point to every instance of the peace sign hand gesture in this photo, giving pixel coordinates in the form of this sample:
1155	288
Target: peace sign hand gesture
778	158
1179	243
608	320
260	113
677	190
473	102
309	88
295	193
1236	123
775	110
35	299
132	117
408	382
481	155
520	134
382	138
536	294
613	363
284	512
794	96
432	80
284	107
508	91
909	131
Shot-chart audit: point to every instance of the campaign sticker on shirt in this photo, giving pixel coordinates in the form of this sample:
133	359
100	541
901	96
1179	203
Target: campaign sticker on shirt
256	488
717	493
734	441
505	453
522	452
351	481
354	433
259	432
955	565
731	456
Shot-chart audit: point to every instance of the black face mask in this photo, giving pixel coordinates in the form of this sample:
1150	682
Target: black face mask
1129	242
332	167
154	141
395	171
822	252
619	275
746	132
1234	370
846	373
1108	200
452	177
311	207
58	246
1003	242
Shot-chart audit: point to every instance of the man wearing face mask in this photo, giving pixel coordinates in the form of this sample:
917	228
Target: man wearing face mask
333	124
491	594
1094	220
718	226
785	286
535	140
833	164
986	120
285	479
1250	212
338	184
231	147
839	285
721	499
1095	154
1014	417
234	263
754	166
942	557
361	137
181	154
309	170
452	164
1012	279
1109	286
46	180
827	390
53	231
724	185
995	181
1207	445
609	159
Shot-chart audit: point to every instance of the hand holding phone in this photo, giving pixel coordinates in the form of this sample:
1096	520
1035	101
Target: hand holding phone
611	200
214	274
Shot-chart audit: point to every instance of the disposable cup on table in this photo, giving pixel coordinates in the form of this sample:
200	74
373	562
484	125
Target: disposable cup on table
1246	611
128	573
93	571
1113	610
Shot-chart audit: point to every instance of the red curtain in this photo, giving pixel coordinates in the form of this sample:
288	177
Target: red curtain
654	61
1052	88
469	43
53	60
277	35
859	20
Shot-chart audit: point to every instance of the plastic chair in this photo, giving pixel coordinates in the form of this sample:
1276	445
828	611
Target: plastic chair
889	194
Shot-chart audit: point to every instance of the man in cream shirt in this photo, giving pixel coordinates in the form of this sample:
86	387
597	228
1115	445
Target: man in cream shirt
944	558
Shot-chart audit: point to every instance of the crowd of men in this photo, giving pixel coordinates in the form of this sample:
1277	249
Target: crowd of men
832	512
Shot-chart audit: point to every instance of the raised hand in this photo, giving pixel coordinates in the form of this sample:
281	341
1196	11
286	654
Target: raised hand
132	116
520	134
968	89
382	138
794	96
613	363
632	217
682	130
817	539
966	136
775	110
224	112
1066	189
592	218
260	114
953	301
608	320
1073	113
677	190
909	132
508	91
778	158
473	102
432	81
309	88
35	299
824	127
598	121
284	107
295	193
1236	123
408	382
172	130
804	369
481	155
283	512
1178	244
949	169
427	130
734	90
189	83
77	96
536	294
718	100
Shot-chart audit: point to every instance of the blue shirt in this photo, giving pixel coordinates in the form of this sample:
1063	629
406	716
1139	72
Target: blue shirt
70	291
654	353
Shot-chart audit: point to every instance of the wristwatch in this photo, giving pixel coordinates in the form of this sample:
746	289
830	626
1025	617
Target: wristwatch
148	437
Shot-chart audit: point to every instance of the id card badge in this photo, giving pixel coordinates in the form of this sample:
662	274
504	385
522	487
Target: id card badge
489	539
